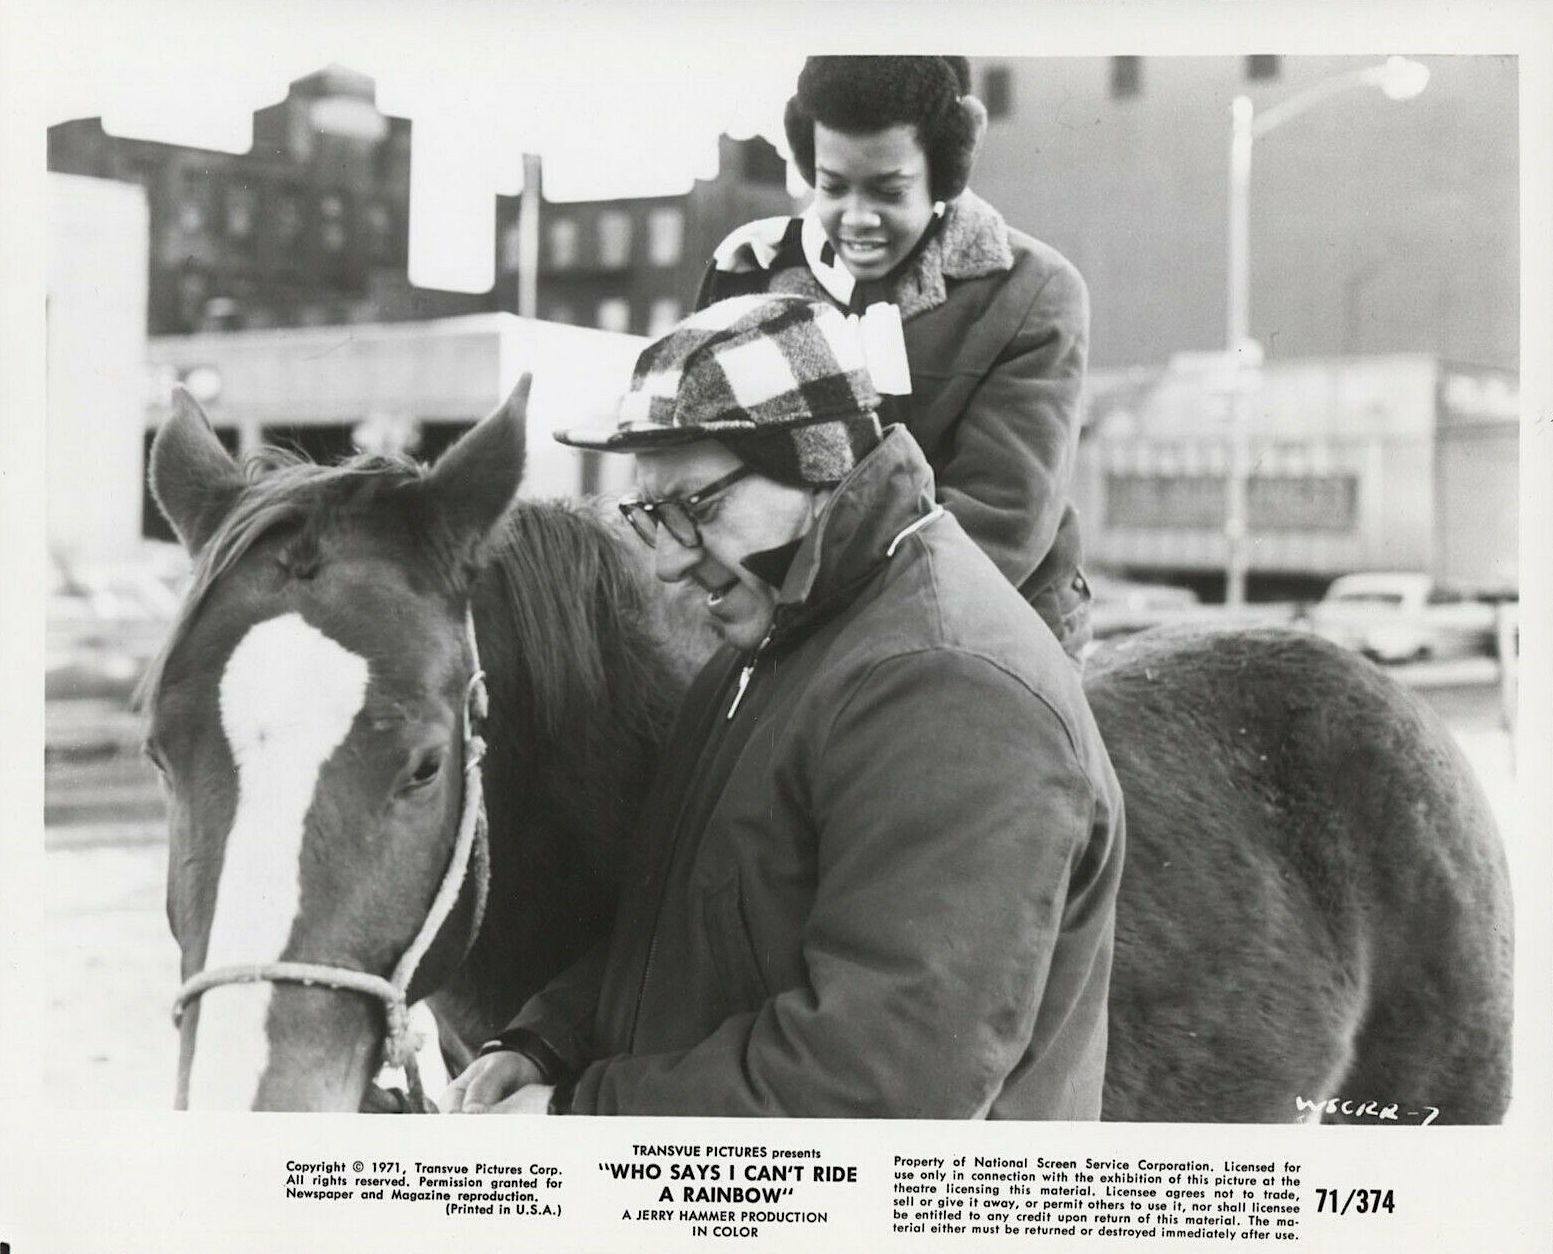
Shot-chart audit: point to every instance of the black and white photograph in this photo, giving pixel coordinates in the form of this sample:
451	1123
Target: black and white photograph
653	625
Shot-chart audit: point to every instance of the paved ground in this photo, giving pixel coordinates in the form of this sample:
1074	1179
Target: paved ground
112	967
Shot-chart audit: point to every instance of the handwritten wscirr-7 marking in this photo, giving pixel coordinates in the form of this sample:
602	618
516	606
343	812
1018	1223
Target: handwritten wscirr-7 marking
1386	1112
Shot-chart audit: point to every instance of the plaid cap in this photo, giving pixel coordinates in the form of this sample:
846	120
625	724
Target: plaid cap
778	379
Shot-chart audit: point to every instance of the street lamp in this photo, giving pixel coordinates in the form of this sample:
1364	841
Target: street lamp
1399	79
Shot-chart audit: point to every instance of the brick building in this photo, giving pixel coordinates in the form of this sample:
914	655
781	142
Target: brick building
309	227
634	265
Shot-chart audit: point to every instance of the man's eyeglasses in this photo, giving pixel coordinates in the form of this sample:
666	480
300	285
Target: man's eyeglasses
678	514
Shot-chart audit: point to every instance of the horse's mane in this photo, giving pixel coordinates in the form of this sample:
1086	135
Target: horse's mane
563	591
578	647
284	491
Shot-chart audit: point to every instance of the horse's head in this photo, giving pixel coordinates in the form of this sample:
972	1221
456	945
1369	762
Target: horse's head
309	718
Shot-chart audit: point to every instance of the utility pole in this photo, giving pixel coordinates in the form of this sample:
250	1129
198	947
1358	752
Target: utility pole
528	237
1236	514
1398	78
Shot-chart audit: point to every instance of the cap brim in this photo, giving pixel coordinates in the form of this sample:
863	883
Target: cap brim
636	439
614	440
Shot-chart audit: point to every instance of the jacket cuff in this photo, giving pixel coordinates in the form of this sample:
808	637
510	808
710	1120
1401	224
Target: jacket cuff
532	1046
561	1097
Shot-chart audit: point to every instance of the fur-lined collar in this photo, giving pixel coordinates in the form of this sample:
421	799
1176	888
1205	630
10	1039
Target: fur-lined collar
972	242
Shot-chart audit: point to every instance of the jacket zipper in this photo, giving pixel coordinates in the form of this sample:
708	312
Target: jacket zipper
746	673
652	944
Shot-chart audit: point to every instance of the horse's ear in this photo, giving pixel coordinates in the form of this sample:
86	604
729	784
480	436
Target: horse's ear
474	482
193	478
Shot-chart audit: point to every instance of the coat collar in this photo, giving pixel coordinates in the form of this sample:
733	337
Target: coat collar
887	492
972	242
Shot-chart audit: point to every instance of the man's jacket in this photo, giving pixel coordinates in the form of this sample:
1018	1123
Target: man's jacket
877	875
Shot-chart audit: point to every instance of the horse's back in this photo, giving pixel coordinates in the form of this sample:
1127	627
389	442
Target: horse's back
1316	902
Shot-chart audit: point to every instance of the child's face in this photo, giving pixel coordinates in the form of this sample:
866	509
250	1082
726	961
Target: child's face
871	193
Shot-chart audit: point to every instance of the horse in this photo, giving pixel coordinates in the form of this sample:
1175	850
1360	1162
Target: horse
1315	903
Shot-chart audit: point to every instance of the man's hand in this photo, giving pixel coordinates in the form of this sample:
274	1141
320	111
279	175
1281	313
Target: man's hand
532	1099
489	1081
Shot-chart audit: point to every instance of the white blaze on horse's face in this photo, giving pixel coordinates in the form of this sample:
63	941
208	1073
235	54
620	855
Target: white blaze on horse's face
289	695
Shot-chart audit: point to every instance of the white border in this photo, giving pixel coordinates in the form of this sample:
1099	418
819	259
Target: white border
92	1182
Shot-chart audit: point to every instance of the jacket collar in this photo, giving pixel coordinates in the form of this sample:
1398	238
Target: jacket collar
972	243
886	493
832	274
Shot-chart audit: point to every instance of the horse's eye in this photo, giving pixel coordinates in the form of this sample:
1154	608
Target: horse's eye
426	771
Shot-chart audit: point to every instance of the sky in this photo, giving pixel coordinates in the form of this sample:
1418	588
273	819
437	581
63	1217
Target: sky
483	83
619	98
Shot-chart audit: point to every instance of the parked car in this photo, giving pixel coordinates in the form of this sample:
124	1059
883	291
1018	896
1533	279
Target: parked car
1123	606
1403	616
1114	592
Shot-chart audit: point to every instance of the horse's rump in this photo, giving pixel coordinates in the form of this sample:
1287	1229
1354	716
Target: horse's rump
1316	901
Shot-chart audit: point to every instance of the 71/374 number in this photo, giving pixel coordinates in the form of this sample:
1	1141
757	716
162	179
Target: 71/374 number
1358	1201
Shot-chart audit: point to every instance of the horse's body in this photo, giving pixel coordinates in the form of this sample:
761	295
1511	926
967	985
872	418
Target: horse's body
1315	902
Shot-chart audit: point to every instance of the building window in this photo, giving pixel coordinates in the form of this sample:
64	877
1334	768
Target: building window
1175	502
331	212
288	219
562	235
614	314
1298	503
192	289
997	91
379	225
1262	67
1303	503
614	238
194	203
665	236
511	249
665	313
221	313
1126	77
239	212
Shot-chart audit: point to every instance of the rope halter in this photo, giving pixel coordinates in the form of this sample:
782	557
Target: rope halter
400	1043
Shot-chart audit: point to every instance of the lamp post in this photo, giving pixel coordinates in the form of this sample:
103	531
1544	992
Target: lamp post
528	236
1399	79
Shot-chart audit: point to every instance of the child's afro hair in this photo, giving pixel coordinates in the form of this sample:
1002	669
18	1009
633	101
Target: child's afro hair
862	95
